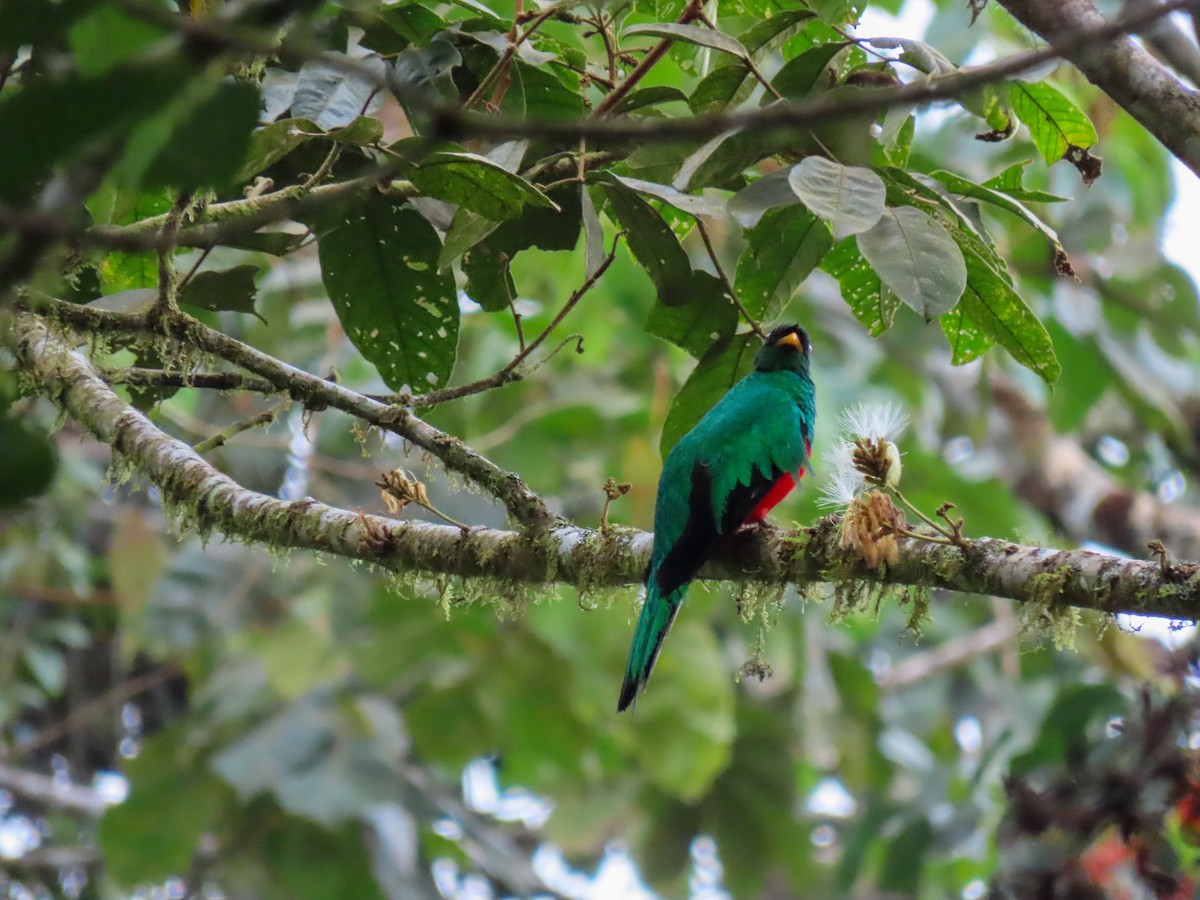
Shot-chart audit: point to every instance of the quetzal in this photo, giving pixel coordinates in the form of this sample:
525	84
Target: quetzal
738	461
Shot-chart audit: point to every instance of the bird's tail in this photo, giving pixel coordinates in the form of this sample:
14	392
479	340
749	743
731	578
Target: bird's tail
653	624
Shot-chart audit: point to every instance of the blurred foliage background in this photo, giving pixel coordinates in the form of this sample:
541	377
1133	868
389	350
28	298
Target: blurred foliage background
191	717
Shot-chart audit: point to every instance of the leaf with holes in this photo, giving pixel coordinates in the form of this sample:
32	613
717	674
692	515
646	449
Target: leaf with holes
476	183
708	316
489	281
965	188
652	244
850	198
968	339
917	259
869	300
781	251
995	306
718	370
379	265
1055	123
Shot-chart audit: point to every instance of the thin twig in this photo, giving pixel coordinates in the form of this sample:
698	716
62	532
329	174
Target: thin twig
219	381
168	278
506	57
730	292
512	307
525	506
649	61
511	371
225	435
118	693
754	70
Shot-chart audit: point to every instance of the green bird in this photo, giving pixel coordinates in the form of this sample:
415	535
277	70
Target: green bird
737	463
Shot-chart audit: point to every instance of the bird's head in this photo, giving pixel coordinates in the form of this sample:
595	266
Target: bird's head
786	347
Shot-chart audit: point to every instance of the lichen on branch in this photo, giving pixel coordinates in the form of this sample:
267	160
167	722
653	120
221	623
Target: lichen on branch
555	552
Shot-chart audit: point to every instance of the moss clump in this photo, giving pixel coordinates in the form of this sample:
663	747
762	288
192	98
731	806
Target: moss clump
850	596
1045	614
916	598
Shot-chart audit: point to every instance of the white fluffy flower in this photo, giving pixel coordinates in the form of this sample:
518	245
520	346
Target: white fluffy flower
872	422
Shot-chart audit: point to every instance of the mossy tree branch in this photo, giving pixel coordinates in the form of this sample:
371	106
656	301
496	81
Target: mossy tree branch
563	553
522	504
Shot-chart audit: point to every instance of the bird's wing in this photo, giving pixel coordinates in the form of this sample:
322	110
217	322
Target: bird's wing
737	453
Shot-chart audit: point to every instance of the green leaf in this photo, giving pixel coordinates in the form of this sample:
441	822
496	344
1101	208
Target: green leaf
1073	721
72	114
691	34
903	864
781	251
918	54
1011	182
768	192
467	229
400	25
107	37
708	316
732	83
28	463
685	726
379	264
427	70
1078	390
870	302
37	23
726	85
289	844
476	183
850	198
968	339
991	301
535	93
226	290
273	142
725	363
1055	123
965	188
802	73
331	96
689	203
646	97
768	34
916	259
489	281
593	233
173	801
313	759
652	244
47	666
554	227
207	145
121	272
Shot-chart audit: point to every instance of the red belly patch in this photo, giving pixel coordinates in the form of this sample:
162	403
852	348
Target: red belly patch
779	490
